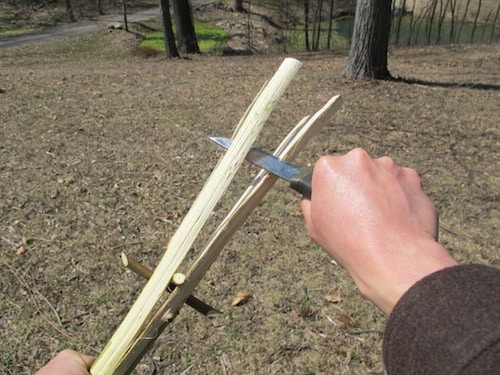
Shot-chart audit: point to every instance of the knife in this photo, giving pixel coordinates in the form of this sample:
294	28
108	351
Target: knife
299	178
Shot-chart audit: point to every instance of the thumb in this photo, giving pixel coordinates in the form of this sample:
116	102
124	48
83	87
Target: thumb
305	205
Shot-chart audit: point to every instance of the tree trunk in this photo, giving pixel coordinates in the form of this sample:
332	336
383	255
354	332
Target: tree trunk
494	24
412	24
463	20
168	33
431	21
370	39
125	21
453	4
69	11
319	15
186	36
484	26
330	26
99	7
238	6
401	14
474	26
306	24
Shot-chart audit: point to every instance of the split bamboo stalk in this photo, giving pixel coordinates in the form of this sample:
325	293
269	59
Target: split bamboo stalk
294	142
132	338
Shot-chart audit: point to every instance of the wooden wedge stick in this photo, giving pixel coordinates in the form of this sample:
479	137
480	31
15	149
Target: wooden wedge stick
294	142
134	265
143	323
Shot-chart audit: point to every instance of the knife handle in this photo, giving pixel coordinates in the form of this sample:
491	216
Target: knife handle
301	182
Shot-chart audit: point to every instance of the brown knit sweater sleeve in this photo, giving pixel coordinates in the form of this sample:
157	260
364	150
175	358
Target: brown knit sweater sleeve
447	323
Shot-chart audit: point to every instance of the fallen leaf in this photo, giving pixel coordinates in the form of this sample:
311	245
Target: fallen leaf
333	298
21	251
241	299
346	322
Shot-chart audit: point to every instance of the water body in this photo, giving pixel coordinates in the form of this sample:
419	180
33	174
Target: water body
412	31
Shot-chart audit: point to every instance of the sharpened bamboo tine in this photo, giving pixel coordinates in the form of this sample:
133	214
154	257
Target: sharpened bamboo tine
135	266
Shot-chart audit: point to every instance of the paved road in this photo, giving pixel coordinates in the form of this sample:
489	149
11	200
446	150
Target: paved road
76	28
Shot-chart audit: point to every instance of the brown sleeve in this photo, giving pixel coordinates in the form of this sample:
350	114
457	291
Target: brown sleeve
449	322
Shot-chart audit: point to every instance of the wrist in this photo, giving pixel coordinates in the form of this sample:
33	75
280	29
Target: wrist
400	272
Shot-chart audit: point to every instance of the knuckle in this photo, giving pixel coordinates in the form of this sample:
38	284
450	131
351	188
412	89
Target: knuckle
387	161
359	153
412	175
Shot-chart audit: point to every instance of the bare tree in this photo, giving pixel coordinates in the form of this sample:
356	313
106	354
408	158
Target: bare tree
370	40
238	6
463	20
317	28
125	21
430	20
186	36
453	10
474	26
494	24
401	13
168	32
306	24
484	26
99	7
442	15
411	27
69	11
330	26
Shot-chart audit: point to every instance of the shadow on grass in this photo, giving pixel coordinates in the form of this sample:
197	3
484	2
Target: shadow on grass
468	85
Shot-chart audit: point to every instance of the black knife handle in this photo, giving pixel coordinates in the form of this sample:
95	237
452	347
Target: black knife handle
301	182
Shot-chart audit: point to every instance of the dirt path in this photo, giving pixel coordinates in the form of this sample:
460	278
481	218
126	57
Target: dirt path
41	36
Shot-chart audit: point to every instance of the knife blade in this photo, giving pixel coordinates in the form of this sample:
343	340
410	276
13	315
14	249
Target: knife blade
299	178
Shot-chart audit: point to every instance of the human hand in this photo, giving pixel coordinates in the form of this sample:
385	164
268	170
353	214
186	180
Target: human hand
68	362
375	220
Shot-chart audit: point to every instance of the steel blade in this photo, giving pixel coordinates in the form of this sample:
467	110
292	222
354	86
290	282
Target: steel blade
264	159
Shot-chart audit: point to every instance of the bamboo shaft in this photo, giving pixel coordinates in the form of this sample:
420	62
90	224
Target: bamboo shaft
132	338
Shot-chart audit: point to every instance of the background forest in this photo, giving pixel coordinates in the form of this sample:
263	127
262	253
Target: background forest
308	25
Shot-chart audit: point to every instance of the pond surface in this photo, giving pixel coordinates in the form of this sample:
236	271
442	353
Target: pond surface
406	30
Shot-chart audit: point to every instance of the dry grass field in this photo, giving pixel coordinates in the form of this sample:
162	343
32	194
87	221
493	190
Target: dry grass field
103	152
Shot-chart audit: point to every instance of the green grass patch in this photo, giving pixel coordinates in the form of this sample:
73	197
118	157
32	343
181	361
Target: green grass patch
11	32
209	37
